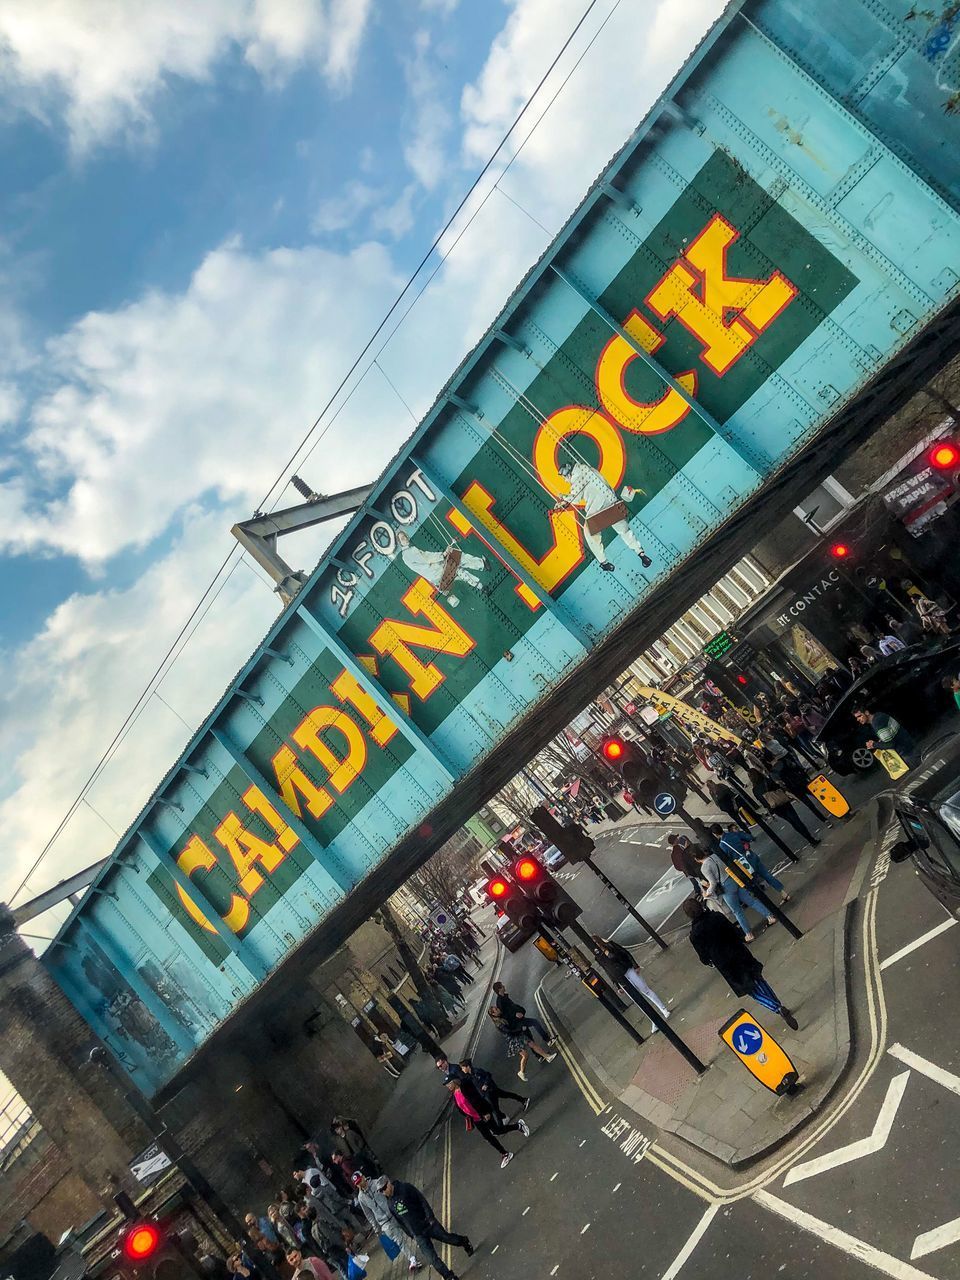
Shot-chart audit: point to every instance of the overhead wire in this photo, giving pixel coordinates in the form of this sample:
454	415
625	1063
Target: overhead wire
206	599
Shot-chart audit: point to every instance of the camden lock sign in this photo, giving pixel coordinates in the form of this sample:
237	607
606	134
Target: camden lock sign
798	606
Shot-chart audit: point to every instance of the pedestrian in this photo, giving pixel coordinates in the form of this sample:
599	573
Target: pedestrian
720	945
737	846
780	803
453	964
795	779
489	1089
681	855
416	1217
352	1140
719	884
888	733
932	617
727	801
304	1268
888	644
281	1228
373	1203
622	967
870	654
519	1042
478	1115
516	1015
447	1068
449	984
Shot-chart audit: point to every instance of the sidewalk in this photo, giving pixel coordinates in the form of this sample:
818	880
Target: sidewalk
726	1113
418	1099
696	807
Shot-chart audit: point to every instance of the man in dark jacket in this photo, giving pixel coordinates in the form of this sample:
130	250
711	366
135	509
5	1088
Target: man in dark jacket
488	1088
515	1015
719	943
412	1210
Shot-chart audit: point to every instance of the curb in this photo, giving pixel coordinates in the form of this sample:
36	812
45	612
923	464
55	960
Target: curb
740	1159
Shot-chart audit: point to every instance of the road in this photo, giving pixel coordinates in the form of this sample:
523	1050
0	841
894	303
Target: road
870	1188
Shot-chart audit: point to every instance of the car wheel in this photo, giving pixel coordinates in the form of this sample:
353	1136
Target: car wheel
863	758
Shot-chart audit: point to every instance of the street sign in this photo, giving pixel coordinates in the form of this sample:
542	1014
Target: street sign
834	801
718	645
665	803
756	1048
441	919
150	1164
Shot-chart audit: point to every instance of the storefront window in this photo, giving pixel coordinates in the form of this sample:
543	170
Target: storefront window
807	652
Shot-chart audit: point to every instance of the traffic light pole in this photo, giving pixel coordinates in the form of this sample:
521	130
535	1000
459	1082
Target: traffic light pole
731	781
631	909
606	996
711	843
655	1016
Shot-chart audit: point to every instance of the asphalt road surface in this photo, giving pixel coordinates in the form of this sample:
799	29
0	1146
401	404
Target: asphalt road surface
870	1188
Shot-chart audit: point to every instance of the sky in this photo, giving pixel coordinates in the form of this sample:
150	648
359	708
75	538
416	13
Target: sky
206	210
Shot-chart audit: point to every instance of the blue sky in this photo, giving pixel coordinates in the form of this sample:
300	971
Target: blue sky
206	209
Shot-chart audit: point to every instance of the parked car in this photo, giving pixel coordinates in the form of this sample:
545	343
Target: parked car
929	816
907	685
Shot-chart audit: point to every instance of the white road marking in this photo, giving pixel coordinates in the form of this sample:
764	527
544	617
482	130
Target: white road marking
928	1069
841	1240
583	1143
557	1174
494	1249
584	1230
938	1238
525	1212
616	1188
555	1269
918	942
695	1238
863	1146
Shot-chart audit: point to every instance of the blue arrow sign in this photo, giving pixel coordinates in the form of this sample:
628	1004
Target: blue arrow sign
665	803
747	1038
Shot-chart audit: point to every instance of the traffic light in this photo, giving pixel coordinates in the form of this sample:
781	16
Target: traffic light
140	1242
515	905
840	551
553	904
572	841
613	750
944	456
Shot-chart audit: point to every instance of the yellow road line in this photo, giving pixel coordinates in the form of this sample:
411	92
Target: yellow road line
592	1098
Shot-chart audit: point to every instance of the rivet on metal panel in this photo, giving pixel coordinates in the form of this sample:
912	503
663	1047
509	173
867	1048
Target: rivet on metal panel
827	393
945	280
249	697
903	321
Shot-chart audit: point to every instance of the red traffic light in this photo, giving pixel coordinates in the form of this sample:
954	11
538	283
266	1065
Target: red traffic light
741	679
944	456
839	551
613	749
497	888
526	868
141	1241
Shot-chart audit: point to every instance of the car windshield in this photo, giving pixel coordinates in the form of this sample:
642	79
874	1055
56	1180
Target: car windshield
949	811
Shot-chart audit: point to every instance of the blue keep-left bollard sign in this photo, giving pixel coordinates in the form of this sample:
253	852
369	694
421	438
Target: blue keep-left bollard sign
665	803
747	1038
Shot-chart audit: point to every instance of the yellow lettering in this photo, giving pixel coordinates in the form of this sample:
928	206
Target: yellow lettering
635	415
559	560
307	735
348	689
292	779
246	850
698	291
257	802
393	639
576	420
197	857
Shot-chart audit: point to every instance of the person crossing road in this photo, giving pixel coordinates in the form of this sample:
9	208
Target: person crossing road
472	1105
489	1089
375	1207
413	1211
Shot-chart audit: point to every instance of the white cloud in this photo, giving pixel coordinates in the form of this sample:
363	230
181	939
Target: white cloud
338	212
398	218
103	64
175	397
425	152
